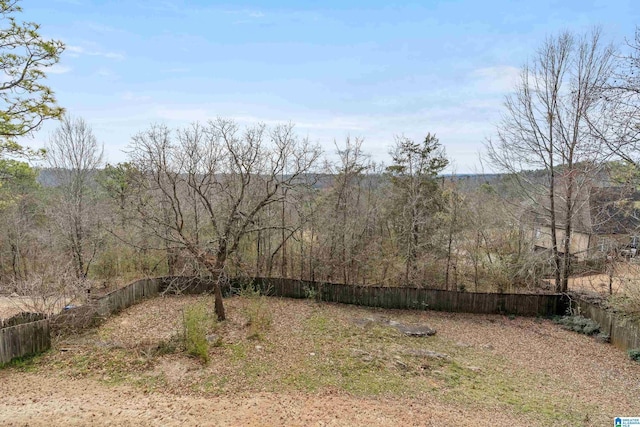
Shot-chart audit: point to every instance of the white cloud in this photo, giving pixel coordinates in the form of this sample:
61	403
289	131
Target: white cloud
497	79
110	55
176	70
246	16
56	69
184	114
462	128
130	96
106	73
249	13
76	51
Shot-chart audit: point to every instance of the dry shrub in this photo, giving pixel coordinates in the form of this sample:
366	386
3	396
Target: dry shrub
257	312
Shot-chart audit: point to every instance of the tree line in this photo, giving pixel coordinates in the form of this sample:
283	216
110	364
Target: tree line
221	199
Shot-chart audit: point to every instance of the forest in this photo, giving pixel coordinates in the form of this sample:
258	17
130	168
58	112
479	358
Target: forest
228	200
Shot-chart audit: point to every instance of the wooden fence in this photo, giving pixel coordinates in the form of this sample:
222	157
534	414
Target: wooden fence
623	332
415	298
30	338
96	311
21	318
23	340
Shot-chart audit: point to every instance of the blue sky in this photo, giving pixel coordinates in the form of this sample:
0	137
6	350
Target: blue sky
369	69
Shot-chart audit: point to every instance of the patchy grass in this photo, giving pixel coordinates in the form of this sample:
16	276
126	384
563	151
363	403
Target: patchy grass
259	317
528	369
23	364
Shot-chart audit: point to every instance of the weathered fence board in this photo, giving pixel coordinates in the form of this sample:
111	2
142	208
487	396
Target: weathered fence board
412	298
97	310
31	338
24	340
20	318
623	332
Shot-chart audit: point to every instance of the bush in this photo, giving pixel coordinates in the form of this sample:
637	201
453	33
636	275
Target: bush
259	316
635	354
198	323
579	324
311	293
170	346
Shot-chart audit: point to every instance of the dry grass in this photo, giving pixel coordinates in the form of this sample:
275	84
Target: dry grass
497	371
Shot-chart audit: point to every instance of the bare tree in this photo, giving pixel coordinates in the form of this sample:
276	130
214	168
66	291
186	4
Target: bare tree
50	290
223	174
548	125
75	155
455	223
346	212
620	127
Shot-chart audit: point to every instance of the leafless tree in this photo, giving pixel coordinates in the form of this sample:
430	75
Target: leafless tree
455	223
548	125
75	155
50	290
620	127
347	217
202	188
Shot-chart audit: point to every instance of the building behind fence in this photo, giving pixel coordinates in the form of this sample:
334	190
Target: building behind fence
30	335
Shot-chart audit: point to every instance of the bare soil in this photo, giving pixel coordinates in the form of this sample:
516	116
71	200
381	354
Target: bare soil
12	305
315	364
625	278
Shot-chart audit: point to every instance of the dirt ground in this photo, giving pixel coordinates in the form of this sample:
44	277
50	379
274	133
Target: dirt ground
315	367
625	278
43	401
12	305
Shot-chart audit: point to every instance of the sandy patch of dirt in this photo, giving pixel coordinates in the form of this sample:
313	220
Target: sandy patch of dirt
41	401
10	306
625	278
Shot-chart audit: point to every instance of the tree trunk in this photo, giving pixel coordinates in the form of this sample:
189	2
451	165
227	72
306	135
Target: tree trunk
566	271
218	270
554	240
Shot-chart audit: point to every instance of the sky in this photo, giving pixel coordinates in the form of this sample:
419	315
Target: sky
336	69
